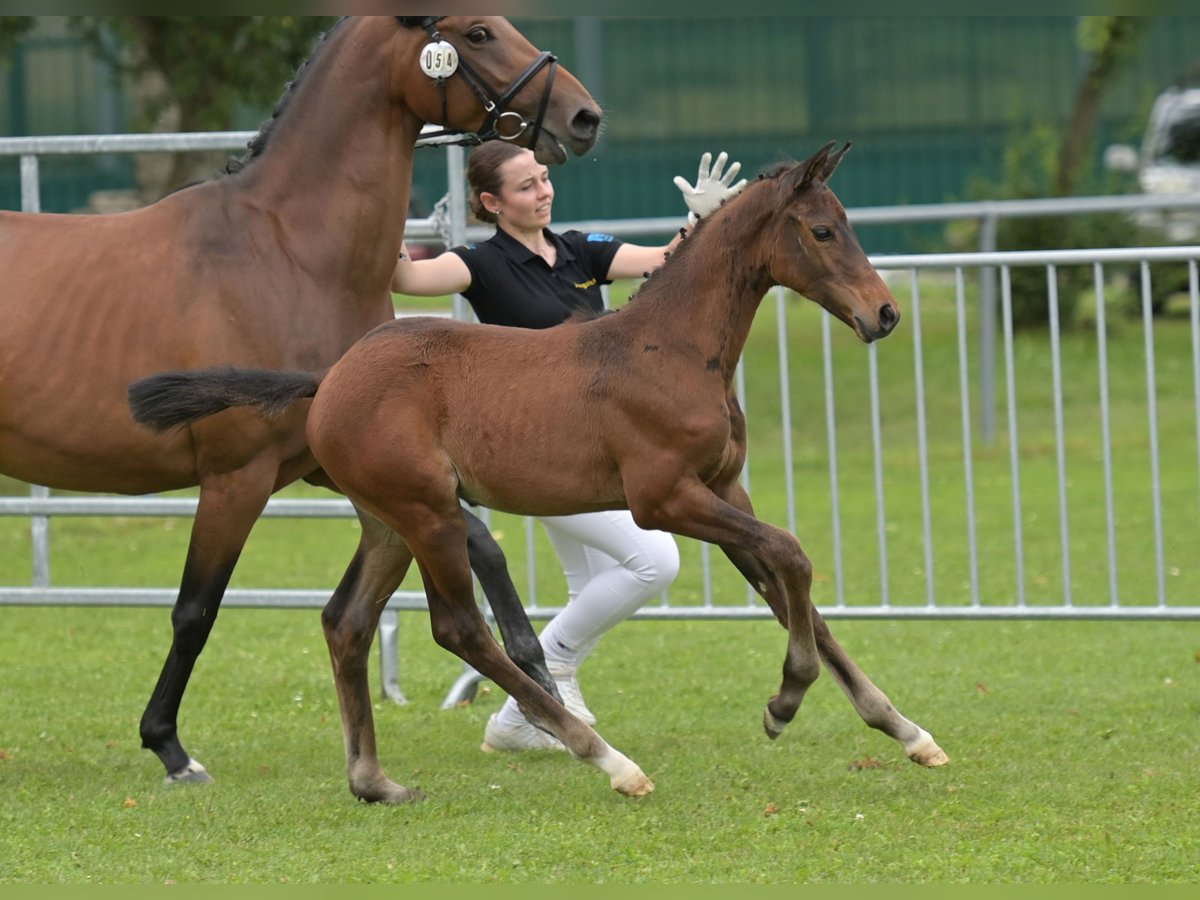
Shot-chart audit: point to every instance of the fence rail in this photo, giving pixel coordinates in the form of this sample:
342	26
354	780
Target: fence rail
904	579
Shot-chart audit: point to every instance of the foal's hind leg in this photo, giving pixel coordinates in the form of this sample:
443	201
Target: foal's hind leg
349	620
457	625
228	507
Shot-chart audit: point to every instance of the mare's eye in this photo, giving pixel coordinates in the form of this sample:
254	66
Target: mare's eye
821	233
479	35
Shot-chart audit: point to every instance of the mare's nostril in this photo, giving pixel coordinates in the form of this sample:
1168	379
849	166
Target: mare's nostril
585	124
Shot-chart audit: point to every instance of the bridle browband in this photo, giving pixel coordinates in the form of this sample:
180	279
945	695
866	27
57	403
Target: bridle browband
495	105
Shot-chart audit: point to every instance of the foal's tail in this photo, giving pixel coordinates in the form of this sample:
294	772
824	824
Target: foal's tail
179	398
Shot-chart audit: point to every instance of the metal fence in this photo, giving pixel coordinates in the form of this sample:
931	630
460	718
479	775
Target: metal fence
1079	501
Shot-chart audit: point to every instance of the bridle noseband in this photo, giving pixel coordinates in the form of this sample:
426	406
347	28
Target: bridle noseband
495	105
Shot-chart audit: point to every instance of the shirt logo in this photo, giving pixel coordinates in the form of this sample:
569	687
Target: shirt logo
584	285
597	237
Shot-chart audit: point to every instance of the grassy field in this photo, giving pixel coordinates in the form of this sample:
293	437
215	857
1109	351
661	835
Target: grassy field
1074	744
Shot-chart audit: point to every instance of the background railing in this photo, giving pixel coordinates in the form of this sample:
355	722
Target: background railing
942	562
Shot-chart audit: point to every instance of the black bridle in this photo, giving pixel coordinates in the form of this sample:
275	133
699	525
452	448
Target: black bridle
495	105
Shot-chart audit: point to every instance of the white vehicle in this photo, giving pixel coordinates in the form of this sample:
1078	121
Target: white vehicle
1168	162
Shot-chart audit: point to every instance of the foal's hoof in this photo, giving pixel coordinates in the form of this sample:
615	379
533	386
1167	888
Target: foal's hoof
192	773
771	725
925	752
635	784
386	792
397	797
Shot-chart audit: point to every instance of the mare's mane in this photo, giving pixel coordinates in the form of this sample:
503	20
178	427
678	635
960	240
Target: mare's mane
258	143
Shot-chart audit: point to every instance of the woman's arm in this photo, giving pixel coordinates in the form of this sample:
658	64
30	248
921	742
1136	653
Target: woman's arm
444	274
634	260
712	188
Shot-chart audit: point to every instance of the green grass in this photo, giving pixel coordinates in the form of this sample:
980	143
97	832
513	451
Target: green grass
1073	743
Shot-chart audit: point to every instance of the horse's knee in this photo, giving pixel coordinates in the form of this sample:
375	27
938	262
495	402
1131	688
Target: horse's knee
462	635
804	564
192	623
792	556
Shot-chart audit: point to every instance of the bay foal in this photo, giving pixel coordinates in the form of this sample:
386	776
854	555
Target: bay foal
634	409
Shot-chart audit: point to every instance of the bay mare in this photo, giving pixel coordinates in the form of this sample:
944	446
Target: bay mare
634	409
283	263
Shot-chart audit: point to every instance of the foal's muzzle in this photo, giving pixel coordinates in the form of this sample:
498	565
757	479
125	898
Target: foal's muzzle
885	322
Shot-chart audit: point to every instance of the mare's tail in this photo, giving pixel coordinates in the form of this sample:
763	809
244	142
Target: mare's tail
179	398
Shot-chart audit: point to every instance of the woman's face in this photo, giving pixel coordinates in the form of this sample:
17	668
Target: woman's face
526	194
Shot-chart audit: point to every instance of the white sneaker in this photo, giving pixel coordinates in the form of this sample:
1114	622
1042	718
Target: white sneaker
516	738
572	697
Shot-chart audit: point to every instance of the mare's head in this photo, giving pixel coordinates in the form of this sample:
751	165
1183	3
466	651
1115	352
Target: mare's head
814	251
491	81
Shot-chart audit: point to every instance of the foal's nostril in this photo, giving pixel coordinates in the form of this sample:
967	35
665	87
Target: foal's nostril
889	316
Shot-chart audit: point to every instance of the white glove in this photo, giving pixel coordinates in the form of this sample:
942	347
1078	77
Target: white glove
712	187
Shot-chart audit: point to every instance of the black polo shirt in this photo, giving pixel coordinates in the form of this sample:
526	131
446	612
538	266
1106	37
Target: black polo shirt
512	285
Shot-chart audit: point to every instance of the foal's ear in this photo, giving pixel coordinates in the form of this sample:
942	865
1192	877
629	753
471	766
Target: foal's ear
820	165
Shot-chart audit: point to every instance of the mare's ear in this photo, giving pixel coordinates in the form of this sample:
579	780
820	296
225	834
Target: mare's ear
819	166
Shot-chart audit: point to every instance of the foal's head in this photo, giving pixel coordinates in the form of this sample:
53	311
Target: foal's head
814	251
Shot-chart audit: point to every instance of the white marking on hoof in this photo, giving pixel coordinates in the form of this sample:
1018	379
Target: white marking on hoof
192	773
923	750
625	776
773	726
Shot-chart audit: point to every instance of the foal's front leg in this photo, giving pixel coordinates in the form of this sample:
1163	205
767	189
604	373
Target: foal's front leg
769	557
869	701
872	704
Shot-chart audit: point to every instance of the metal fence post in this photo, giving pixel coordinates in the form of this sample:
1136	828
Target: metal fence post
39	526
988	227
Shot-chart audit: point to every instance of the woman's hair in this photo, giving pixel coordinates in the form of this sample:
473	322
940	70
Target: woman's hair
483	173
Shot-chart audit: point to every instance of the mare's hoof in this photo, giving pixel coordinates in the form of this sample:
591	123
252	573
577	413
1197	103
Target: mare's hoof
192	773
771	725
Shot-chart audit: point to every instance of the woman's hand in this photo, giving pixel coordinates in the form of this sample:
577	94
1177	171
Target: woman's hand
712	187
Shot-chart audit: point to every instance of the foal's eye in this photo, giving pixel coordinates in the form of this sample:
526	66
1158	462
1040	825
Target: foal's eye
478	35
822	233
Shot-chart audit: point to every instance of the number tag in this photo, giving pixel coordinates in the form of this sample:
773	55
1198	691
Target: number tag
439	59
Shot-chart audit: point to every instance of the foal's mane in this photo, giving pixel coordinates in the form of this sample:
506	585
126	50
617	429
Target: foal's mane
747	216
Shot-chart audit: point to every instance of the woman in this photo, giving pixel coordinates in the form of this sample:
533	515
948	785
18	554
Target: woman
528	276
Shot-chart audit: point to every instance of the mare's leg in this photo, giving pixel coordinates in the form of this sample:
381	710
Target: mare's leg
869	701
349	620
520	640
439	544
228	507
